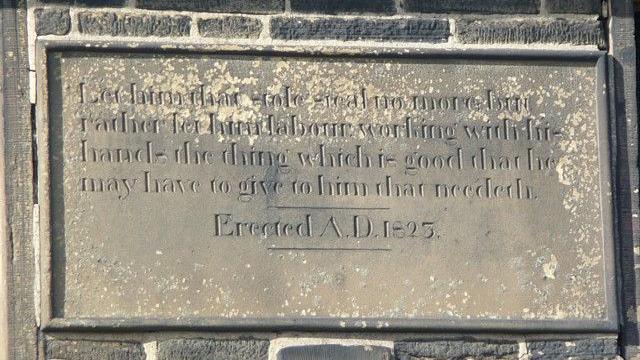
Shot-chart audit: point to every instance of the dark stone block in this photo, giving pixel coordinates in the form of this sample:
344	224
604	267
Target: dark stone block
574	6
109	23
203	349
233	6
88	3
344	6
606	348
410	30
92	350
323	352
542	31
52	21
455	349
476	6
230	26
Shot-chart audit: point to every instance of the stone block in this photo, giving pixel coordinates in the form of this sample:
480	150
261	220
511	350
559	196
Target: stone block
574	6
344	6
455	349
473	6
235	6
230	26
352	29
87	3
209	349
52	21
536	31
117	24
599	348
323	352
92	350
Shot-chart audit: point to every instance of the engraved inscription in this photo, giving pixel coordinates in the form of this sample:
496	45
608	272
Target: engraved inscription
258	187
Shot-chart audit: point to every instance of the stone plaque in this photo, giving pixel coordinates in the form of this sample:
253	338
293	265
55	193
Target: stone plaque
373	192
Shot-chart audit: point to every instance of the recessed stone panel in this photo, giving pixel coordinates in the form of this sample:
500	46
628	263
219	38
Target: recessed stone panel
365	191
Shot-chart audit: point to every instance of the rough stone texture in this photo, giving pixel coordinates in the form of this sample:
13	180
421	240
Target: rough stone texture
109	23
233	6
324	352
456	349
574	349
344	6
574	6
623	86
20	340
92	350
557	31
230	26
52	21
202	349
88	3
411	30
476	6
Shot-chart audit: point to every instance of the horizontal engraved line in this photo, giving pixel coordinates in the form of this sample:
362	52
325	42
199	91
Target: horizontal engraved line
325	249
328	208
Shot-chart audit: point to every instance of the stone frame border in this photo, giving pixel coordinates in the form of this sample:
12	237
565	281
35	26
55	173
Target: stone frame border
596	58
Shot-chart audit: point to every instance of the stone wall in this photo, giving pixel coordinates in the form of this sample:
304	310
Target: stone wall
261	348
446	23
440	24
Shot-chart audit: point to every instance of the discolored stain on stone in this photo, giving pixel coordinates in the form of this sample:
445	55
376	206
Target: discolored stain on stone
324	352
599	348
556	31
574	6
455	349
230	26
205	349
92	350
473	6
52	21
116	24
409	30
232	6
344	6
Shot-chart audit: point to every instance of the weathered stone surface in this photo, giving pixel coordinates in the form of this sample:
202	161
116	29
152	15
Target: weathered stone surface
324	352
410	30
205	349
574	6
557	31
473	6
52	21
19	313
455	350
93	350
585	349
344	6
88	3
233	6
230	26
118	24
213	185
